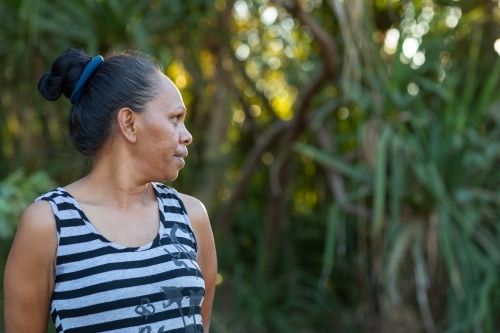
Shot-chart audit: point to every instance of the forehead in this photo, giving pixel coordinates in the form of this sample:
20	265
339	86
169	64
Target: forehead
168	95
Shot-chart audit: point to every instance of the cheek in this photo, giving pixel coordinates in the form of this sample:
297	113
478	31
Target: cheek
159	141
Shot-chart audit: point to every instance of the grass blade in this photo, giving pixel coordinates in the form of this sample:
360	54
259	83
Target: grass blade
380	181
330	242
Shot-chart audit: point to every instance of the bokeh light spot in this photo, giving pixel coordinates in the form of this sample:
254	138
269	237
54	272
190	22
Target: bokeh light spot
413	89
269	15
391	41
419	58
219	279
238	117
267	158
410	47
254	110
241	10
343	113
224	194
242	51
497	46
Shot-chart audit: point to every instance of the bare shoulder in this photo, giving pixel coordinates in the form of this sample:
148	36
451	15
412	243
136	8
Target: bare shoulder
195	209
37	230
199	221
34	248
38	217
36	235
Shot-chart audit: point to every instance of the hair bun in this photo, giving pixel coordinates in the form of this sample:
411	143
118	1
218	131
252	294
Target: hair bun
64	74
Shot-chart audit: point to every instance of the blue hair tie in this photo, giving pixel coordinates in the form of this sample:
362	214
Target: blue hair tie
89	69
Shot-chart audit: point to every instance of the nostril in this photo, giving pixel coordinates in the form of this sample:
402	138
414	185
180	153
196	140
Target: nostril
188	139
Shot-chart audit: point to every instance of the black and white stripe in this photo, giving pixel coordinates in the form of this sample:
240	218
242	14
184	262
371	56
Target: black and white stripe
104	287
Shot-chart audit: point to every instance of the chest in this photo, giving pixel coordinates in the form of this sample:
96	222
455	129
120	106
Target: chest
129	228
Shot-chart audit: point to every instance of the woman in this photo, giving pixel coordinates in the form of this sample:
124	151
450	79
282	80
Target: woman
115	251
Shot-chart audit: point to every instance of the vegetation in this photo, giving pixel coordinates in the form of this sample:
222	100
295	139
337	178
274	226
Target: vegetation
346	150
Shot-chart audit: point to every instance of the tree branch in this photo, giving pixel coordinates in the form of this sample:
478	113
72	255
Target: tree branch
335	181
325	72
329	52
299	122
249	166
329	69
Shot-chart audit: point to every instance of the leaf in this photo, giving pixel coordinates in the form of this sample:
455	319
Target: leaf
332	162
449	253
489	93
432	86
330	241
380	181
397	179
397	253
422	283
464	103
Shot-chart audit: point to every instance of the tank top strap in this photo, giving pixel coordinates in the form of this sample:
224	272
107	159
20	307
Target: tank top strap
174	211
65	208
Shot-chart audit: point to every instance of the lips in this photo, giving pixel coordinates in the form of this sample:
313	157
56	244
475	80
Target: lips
180	157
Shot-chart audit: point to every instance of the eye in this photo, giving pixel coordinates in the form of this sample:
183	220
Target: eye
177	117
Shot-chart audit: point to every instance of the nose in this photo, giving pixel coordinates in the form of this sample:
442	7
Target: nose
185	137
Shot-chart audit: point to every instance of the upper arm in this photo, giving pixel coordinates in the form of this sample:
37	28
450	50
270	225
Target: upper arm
207	259
29	271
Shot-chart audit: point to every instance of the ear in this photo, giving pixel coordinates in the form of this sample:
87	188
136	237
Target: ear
127	124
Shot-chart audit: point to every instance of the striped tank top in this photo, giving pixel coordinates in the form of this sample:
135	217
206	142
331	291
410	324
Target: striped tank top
104	287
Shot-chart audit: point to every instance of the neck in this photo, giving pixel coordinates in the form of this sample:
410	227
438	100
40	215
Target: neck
115	182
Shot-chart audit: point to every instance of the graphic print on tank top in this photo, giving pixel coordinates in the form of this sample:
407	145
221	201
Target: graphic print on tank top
104	287
176	295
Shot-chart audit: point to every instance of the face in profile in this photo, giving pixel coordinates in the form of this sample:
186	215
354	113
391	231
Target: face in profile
163	138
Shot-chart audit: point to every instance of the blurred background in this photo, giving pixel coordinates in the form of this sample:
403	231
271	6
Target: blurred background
346	150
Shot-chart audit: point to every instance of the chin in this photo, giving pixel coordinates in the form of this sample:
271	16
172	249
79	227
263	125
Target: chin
171	178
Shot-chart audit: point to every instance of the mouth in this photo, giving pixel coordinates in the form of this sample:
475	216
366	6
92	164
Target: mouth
180	157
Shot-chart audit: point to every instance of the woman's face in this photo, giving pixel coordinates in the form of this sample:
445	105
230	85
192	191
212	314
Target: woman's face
162	138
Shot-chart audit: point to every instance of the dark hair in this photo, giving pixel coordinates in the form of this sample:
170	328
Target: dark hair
123	80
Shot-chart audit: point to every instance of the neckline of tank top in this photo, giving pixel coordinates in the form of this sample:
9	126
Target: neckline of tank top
94	230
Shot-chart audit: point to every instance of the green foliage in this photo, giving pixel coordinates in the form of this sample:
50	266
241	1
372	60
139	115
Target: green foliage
17	192
434	153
